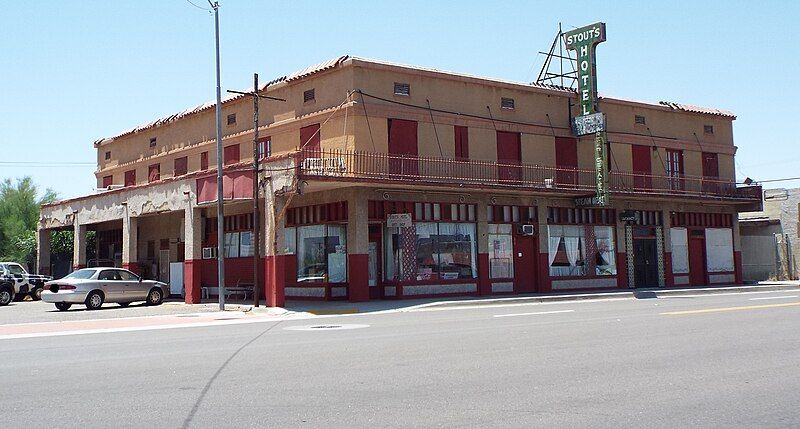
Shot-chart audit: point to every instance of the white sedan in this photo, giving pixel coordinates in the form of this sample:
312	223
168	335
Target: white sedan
95	286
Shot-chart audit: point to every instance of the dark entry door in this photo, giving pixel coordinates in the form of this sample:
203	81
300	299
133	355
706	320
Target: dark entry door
524	263
645	263
374	262
403	147
697	258
509	155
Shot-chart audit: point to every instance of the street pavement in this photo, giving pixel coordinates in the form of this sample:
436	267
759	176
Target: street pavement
724	360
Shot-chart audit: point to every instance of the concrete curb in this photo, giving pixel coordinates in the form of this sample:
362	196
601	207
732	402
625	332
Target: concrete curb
628	294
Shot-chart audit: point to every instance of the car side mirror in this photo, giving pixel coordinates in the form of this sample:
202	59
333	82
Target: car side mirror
140	279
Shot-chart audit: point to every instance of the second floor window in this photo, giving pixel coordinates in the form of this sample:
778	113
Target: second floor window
232	119
264	147
130	177
674	166
153	142
154	172
108	155
181	166
204	161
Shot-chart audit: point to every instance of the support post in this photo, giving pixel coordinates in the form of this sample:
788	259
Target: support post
357	247
130	243
274	264
193	258
220	191
43	251
78	245
256	226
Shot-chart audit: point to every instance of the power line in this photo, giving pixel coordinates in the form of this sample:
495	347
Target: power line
46	164
199	7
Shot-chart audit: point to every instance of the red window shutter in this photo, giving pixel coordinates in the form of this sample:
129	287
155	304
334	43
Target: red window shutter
231	154
108	181
130	177
566	160
204	161
181	166
710	165
509	152
154	172
403	142
642	169
462	142
309	138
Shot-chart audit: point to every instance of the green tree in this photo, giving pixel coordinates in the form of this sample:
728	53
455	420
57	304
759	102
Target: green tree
19	215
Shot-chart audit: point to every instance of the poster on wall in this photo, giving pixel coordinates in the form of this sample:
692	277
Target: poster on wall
719	250
680	250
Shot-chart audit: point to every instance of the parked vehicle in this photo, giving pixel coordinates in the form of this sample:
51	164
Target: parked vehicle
95	286
16	283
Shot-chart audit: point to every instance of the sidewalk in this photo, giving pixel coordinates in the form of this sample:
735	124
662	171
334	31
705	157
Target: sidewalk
345	307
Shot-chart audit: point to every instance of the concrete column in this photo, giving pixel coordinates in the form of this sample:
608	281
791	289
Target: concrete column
545	283
357	246
484	284
737	249
193	256
43	251
79	245
275	259
130	243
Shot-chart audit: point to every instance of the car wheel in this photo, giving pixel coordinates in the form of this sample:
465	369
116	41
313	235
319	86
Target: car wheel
6	296
124	304
36	294
154	297
94	300
63	306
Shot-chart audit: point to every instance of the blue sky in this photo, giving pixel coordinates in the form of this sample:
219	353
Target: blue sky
77	71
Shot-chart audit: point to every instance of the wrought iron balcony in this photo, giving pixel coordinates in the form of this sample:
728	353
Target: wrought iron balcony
386	168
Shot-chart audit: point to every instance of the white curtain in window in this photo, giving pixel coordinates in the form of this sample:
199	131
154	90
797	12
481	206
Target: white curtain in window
571	244
719	250
231	245
246	244
680	250
290	240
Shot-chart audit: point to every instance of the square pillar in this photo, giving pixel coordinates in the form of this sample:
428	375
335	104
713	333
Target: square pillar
482	236
666	220
357	247
130	243
737	251
43	252
275	257
193	257
545	282
78	245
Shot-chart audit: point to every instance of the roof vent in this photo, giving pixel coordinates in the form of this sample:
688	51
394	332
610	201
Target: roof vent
506	103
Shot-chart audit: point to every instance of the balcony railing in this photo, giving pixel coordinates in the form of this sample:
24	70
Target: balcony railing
383	167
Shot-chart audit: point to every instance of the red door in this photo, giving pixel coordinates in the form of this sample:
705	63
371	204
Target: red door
525	263
697	258
641	167
566	161
509	155
403	147
309	140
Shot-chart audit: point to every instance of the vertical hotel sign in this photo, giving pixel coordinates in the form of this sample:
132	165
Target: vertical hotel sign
584	40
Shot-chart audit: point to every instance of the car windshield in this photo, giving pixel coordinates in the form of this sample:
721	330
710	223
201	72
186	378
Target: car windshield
80	274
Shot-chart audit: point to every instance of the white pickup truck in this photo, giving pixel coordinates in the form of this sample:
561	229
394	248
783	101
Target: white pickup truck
16	283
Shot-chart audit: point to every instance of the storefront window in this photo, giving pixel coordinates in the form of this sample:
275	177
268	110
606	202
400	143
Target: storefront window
501	255
246	247
322	253
605	260
231	245
431	251
573	251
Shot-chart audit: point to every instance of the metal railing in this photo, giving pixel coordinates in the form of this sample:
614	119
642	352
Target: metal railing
384	167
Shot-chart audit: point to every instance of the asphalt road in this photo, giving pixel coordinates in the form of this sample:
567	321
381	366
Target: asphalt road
710	361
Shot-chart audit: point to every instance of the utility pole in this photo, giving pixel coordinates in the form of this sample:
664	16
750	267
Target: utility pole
220	194
256	224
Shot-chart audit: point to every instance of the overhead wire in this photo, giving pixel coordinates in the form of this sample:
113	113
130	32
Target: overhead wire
436	133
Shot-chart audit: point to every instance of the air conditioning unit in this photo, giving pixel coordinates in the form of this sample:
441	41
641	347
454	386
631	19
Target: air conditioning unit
549	183
209	252
526	230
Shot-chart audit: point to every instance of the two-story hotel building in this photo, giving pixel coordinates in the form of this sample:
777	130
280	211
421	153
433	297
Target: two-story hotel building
386	181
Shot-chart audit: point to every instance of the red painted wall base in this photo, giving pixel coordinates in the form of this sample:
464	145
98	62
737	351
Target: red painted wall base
737	266
484	285
275	280
358	277
132	267
191	280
